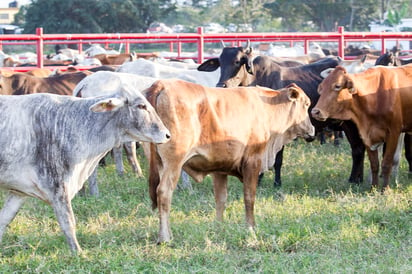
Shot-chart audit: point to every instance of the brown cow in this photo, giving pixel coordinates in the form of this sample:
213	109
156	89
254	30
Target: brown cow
21	83
38	72
378	101
231	131
115	59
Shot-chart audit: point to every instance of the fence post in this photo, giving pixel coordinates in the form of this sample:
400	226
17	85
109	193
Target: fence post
200	45
341	43
179	49
39	44
127	47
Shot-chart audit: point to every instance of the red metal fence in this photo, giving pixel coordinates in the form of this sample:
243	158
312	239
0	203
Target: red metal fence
175	40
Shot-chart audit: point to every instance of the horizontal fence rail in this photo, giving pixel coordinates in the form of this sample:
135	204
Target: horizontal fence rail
176	40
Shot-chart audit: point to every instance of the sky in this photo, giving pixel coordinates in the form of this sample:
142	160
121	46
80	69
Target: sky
5	3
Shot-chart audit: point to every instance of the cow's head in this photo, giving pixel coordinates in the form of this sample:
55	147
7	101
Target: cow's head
302	124
235	64
136	117
336	93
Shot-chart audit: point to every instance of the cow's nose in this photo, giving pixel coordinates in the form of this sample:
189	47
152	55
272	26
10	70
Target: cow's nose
315	112
221	85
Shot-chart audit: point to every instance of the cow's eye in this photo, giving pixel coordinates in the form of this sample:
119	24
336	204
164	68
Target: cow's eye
237	62
142	106
338	87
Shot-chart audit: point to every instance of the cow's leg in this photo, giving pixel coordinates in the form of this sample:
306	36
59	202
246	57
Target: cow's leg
8	212
118	159
93	187
220	191
63	209
374	163
186	184
250	175
130	148
322	138
358	151
387	161
278	166
168	182
408	150
336	139
397	156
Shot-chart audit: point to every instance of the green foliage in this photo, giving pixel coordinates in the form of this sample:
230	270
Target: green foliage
94	16
315	223
323	15
395	16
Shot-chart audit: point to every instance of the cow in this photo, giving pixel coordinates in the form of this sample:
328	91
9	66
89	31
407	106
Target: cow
38	72
59	140
105	83
222	132
243	69
158	70
378	101
391	58
21	83
115	59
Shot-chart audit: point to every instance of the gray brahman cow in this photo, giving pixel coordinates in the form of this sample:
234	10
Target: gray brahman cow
52	143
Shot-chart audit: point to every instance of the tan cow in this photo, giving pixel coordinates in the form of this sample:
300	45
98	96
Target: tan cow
38	72
217	131
115	59
378	101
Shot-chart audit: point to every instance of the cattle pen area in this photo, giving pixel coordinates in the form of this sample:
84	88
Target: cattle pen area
34	50
154	162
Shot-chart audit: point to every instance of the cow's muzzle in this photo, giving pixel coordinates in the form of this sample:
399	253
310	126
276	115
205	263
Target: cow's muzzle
318	115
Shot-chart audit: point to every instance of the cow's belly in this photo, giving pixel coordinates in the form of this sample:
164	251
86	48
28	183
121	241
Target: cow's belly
198	166
25	182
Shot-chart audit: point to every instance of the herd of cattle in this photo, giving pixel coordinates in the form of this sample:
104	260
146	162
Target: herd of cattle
229	116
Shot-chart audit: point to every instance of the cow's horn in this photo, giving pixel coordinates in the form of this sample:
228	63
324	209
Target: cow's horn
326	72
223	43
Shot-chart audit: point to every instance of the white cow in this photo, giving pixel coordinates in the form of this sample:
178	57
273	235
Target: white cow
105	83
58	142
161	71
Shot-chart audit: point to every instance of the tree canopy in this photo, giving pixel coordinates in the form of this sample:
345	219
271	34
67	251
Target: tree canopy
94	16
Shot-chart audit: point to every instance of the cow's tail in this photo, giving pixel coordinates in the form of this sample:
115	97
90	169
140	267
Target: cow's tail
154	161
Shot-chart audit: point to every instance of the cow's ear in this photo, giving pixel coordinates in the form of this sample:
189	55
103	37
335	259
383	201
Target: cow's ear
350	86
110	104
209	65
293	93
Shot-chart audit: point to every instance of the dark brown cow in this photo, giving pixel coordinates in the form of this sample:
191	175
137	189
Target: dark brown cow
233	131
21	83
378	101
115	59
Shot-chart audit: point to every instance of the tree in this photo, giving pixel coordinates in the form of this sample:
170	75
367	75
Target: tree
325	15
394	17
94	16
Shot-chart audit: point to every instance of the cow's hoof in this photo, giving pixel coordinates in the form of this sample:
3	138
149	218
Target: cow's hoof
356	181
277	184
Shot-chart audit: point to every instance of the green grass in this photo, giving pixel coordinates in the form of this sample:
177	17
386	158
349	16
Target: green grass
315	223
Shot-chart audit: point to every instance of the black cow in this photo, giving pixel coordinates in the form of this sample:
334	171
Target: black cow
239	68
391	59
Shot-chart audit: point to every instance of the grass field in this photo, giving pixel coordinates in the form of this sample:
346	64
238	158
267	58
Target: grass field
315	223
